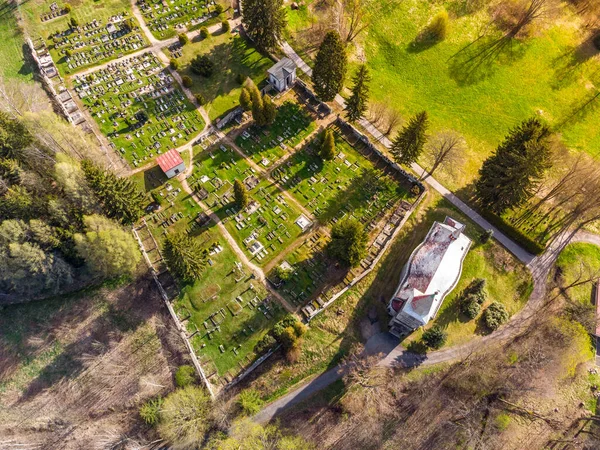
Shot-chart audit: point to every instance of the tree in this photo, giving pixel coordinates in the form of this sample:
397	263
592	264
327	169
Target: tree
185	376
257	108
495	315
200	99
187	81
327	149
225	26
245	101
266	343
250	401
218	8
434	337
330	67
119	197
508	178
348	242
246	434
356	105
445	148
14	138
409	142
183	417
74	22
204	33
183	39
354	16
269	111
174	64
437	30
240	194
184	256
264	21
202	65
108	250
150	411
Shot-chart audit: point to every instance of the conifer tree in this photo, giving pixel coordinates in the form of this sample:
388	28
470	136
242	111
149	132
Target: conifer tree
245	101
184	255
241	194
356	105
327	150
330	67
269	112
264	21
508	178
409	143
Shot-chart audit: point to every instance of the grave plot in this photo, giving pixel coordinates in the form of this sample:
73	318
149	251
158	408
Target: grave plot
77	47
227	312
167	18
266	145
170	208
139	107
349	185
267	225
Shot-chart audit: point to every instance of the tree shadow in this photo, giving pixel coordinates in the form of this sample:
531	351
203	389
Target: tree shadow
423	41
568	65
580	109
154	178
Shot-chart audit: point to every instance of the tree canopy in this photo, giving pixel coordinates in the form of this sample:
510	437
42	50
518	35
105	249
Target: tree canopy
357	104
327	149
241	194
408	145
330	67
184	256
348	242
264	21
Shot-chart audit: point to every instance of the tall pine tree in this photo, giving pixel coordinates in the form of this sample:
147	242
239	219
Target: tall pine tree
330	67
264	21
356	105
327	150
184	255
409	143
508	178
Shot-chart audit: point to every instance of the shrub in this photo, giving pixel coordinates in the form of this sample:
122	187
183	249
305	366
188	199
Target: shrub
265	344
495	315
187	81
67	8
299	328
327	150
486	236
184	417
185	376
219	8
149	412
434	337
174	64
202	65
204	33
74	22
470	307
437	30
250	401
283	274
183	39
200	99
225	26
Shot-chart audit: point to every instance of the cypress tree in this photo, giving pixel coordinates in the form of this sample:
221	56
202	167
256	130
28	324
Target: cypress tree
356	105
508	177
245	101
241	194
409	143
269	112
184	255
330	67
327	150
264	21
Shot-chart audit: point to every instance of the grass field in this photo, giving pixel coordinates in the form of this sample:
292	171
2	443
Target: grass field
13	41
579	261
233	56
166	19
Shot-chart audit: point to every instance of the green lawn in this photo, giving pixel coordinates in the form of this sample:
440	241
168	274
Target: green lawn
270	221
579	261
243	314
140	108
232	56
265	145
13	42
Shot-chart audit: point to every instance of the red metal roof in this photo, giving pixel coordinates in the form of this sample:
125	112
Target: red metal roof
169	160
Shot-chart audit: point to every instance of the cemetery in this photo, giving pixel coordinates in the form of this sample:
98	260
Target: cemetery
226	312
139	107
267	225
266	145
167	18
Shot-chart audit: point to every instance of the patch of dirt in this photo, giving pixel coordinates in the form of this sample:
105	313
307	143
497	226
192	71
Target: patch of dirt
77	380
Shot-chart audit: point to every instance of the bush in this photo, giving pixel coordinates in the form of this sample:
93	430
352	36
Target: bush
149	412
204	33
200	99
67	8
283	274
250	401
495	315
187	81
470	307
219	8
486	236
437	30
74	22
185	376
174	64
184	417
183	39
202	65
435	337
265	344
225	26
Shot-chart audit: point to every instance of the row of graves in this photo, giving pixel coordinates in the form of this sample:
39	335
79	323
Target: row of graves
167	17
266	145
140	107
94	43
55	11
268	224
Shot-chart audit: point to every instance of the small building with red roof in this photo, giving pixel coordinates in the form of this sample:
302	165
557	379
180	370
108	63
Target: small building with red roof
432	272
171	163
